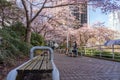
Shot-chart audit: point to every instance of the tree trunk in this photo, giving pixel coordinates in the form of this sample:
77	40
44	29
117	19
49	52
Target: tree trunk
3	17
3	24
28	34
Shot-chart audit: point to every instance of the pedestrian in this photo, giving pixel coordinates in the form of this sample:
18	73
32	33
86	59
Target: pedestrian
75	48
52	46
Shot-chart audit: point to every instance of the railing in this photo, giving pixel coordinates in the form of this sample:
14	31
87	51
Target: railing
61	51
101	51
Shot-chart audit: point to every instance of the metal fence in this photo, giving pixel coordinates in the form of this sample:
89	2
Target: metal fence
101	51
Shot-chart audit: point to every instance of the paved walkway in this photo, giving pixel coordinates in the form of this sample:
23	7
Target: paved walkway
85	68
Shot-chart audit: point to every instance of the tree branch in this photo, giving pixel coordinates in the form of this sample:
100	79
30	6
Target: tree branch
38	11
26	11
64	5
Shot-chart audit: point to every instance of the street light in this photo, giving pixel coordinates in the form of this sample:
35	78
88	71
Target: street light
67	39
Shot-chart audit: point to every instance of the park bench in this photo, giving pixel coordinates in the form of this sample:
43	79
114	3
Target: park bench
40	67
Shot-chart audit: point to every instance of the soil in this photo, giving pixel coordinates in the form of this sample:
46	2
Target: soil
4	69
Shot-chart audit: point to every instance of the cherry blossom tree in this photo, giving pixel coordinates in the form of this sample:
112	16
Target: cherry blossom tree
93	35
103	33
34	8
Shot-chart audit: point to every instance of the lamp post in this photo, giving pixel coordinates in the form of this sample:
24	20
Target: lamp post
67	39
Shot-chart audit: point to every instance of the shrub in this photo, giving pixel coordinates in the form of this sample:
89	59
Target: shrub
37	40
13	45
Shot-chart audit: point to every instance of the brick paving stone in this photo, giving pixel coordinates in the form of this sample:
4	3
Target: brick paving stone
85	68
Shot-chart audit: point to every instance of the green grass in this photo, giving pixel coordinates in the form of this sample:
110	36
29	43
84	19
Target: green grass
102	54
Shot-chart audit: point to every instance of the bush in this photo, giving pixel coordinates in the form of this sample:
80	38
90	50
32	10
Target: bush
13	45
19	29
37	40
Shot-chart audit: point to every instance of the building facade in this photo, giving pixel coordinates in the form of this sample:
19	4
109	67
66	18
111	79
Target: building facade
114	20
80	12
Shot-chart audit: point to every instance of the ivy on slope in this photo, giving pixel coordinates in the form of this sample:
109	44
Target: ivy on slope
13	46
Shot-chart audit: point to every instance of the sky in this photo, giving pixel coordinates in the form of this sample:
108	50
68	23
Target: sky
96	15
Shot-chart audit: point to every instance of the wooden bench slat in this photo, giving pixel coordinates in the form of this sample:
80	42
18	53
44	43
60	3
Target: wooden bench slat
46	65
46	62
33	64
28	64
38	65
43	67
